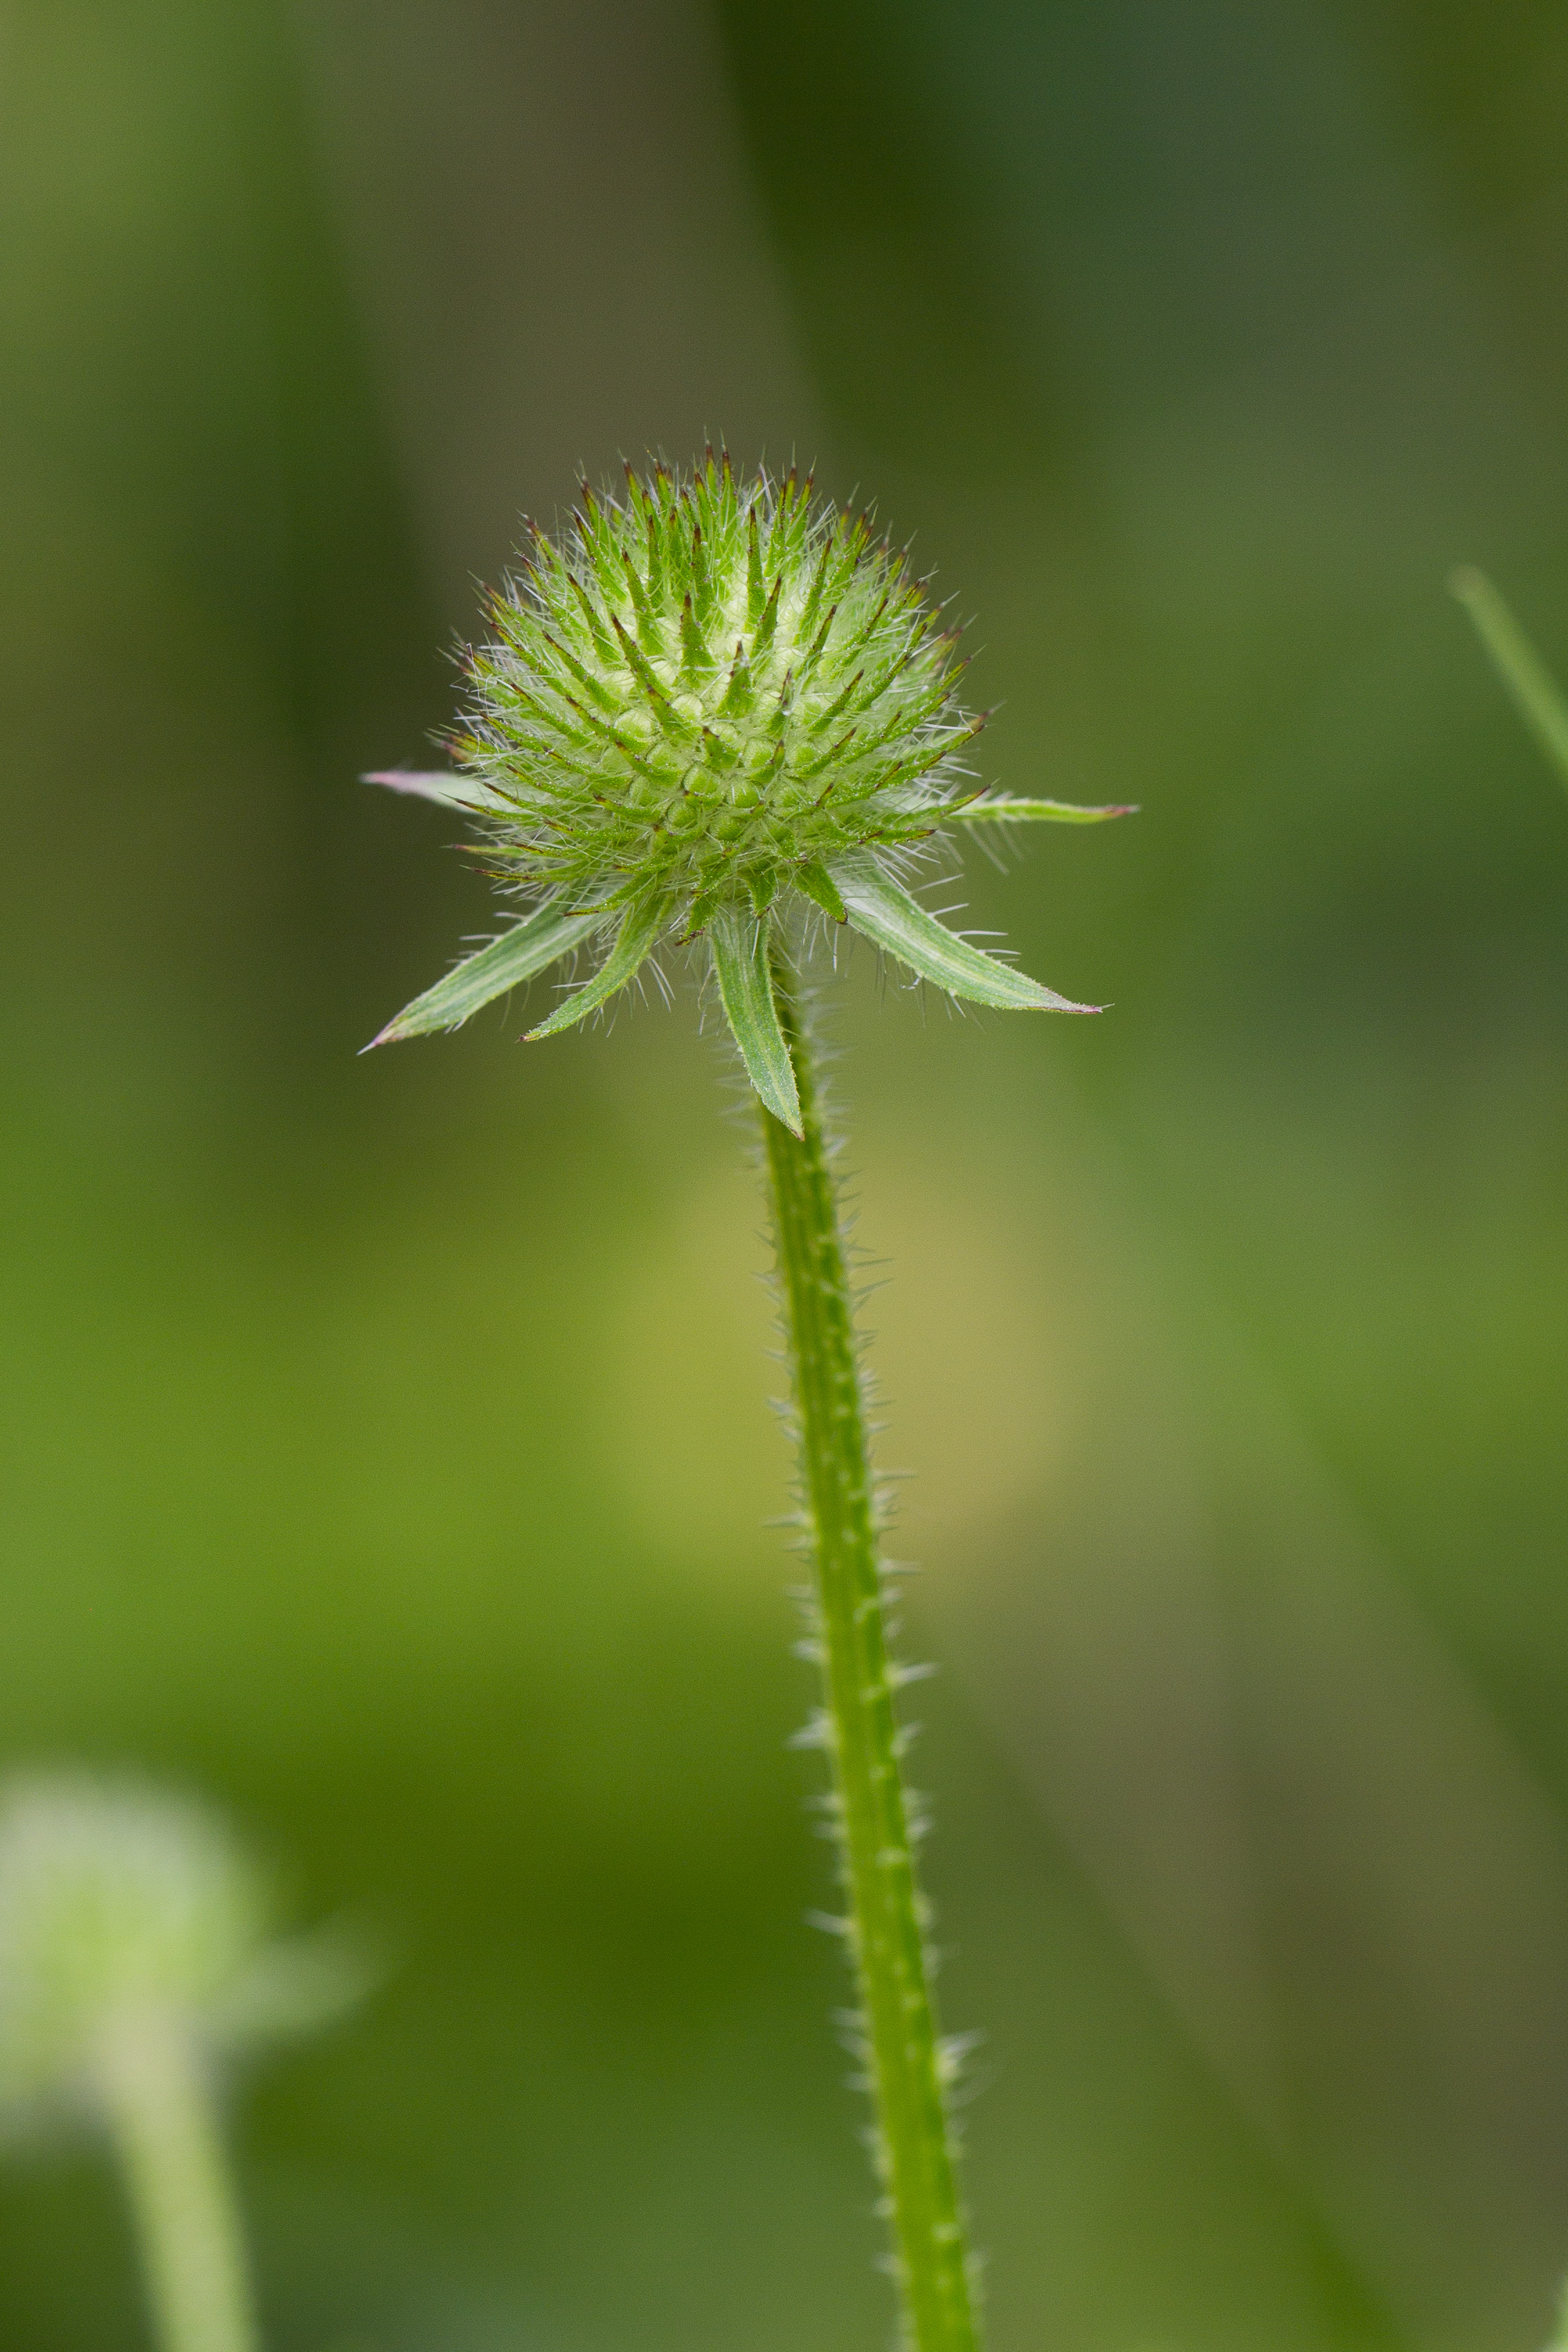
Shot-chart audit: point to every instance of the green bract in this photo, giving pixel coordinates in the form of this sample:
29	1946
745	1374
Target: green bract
708	699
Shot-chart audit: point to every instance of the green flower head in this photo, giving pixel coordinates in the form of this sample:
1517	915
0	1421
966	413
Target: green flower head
123	1906
707	700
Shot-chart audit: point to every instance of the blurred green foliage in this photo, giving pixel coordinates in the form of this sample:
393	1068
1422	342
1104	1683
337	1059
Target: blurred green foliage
384	1447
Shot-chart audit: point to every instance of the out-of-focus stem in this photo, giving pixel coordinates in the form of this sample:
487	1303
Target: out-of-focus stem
162	2120
1524	674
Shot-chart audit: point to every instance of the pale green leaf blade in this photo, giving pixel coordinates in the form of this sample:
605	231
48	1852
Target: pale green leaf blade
886	913
514	957
1523	673
639	927
466	793
999	808
739	941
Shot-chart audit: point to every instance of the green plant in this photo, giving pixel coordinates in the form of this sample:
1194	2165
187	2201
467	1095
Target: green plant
136	1967
724	716
1517	663
1540	703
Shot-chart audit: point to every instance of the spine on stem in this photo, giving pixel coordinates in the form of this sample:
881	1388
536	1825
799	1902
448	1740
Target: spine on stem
885	1927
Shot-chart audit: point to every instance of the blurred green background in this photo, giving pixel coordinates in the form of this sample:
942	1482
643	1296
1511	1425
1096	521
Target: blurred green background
384	1444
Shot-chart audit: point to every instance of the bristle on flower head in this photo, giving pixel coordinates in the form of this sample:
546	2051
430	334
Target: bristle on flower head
698	701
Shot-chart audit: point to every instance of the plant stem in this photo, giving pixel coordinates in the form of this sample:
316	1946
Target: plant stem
877	1863
165	2132
1517	663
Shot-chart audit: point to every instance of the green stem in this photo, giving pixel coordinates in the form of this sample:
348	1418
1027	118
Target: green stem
165	2133
1517	663
861	1731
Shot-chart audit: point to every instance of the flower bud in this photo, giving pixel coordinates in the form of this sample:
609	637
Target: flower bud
705	701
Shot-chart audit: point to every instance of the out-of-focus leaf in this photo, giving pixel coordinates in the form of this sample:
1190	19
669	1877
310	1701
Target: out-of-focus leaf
296	1984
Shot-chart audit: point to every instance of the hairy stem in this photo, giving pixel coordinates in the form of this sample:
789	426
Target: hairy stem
165	2133
877	1863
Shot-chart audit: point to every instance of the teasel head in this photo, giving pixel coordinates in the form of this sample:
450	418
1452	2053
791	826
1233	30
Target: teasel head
705	703
129	1915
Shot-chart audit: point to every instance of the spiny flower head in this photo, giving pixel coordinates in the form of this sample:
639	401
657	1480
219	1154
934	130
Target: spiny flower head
705	699
710	696
122	1906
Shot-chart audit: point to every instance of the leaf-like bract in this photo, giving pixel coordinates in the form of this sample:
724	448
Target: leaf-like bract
739	944
639	928
997	808
466	793
514	957
886	913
